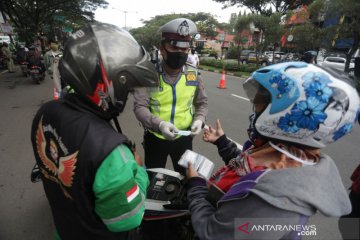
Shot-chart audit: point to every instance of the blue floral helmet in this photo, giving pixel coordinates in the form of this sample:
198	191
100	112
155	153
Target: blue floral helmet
307	104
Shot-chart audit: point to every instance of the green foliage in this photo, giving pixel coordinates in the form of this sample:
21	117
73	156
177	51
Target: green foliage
210	51
32	17
232	53
266	7
269	26
229	66
349	28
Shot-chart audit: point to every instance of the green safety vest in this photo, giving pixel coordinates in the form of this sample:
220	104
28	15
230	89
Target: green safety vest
174	103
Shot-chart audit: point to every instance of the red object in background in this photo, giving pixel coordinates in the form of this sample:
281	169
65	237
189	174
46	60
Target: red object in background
222	83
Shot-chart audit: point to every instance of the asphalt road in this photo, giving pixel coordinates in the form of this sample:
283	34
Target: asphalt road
24	210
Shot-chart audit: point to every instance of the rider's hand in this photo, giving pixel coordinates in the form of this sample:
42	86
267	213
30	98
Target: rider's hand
211	134
191	172
168	130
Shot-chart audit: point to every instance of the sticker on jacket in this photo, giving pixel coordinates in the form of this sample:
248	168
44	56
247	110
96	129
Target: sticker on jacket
132	193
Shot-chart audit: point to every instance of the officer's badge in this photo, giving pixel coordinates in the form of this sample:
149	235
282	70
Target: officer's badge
191	79
183	29
191	76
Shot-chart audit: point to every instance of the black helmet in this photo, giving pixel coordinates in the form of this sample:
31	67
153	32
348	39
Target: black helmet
309	56
102	61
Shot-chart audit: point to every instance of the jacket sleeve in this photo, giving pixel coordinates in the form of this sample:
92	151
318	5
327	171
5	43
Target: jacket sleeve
142	109
120	189
200	101
212	223
227	149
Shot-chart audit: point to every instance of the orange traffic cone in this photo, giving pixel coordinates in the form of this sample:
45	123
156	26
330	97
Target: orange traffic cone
222	83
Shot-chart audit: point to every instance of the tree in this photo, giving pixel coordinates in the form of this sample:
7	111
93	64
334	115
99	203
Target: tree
266	7
269	27
232	22
307	33
349	28
148	35
31	17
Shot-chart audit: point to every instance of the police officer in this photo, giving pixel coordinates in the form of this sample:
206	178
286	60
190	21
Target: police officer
95	186
49	57
178	104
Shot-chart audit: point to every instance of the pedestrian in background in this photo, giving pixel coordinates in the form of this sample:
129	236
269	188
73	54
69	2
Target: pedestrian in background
179	103
193	58
50	55
8	56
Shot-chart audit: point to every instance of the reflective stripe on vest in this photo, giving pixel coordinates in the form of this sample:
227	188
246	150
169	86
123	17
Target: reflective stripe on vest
174	103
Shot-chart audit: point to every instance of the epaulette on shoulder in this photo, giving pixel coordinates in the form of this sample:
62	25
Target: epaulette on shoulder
191	65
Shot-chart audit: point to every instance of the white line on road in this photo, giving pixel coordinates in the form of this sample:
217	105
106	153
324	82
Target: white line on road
4	72
234	95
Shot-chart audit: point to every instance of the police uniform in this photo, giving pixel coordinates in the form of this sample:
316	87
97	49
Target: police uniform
180	100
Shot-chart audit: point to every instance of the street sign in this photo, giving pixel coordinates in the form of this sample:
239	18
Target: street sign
290	38
68	29
59	18
6	28
221	37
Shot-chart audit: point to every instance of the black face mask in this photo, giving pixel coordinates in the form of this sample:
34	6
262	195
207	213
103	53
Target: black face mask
176	60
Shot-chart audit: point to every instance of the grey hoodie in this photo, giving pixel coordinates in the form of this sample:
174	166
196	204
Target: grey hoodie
287	196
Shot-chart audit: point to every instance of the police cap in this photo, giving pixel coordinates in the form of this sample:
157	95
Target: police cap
178	32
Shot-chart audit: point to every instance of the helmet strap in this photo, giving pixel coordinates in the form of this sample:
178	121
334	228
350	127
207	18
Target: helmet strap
290	155
117	124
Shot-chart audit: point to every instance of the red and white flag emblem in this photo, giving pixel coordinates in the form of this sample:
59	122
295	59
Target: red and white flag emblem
132	193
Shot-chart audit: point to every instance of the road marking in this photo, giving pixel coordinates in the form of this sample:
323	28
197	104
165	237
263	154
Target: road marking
234	95
4	72
237	144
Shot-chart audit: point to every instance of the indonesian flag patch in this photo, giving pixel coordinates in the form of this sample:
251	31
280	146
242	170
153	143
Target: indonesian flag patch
132	193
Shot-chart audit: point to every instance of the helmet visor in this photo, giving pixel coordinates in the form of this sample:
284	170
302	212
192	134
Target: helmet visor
256	93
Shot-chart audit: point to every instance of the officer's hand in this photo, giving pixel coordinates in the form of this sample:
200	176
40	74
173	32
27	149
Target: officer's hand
196	127
211	134
168	130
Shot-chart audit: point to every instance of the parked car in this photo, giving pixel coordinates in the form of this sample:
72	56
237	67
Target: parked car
244	55
262	59
279	56
291	57
338	63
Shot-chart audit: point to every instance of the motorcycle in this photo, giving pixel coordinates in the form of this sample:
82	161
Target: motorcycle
36	74
24	68
166	208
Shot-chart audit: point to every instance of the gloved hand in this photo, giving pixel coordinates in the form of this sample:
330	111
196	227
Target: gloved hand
168	130
196	127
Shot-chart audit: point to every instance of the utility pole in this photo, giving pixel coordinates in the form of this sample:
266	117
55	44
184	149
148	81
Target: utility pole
125	13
